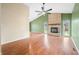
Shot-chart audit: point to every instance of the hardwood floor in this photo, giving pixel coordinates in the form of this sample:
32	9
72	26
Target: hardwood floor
19	47
40	44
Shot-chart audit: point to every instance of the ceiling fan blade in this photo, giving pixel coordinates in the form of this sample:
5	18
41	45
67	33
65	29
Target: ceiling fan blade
49	13
49	9
38	11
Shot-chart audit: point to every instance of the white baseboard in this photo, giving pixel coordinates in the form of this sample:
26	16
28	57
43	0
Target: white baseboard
75	45
13	40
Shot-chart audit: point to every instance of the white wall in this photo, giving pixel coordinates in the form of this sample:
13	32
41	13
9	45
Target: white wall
0	28
0	22
15	23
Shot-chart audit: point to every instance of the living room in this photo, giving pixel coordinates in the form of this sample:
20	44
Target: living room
52	31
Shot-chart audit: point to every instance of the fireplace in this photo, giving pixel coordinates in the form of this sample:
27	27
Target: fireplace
54	30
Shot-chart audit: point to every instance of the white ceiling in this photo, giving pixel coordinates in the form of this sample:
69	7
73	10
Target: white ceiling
57	8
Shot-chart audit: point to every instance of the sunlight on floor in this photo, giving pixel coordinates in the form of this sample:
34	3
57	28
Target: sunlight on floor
66	40
46	40
66	44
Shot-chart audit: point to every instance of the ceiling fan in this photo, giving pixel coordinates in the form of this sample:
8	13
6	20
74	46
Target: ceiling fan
43	10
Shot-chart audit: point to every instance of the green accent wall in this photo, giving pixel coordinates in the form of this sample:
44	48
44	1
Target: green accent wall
38	24
66	19
75	24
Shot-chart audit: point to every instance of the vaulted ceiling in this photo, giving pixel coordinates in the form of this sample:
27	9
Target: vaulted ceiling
57	8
